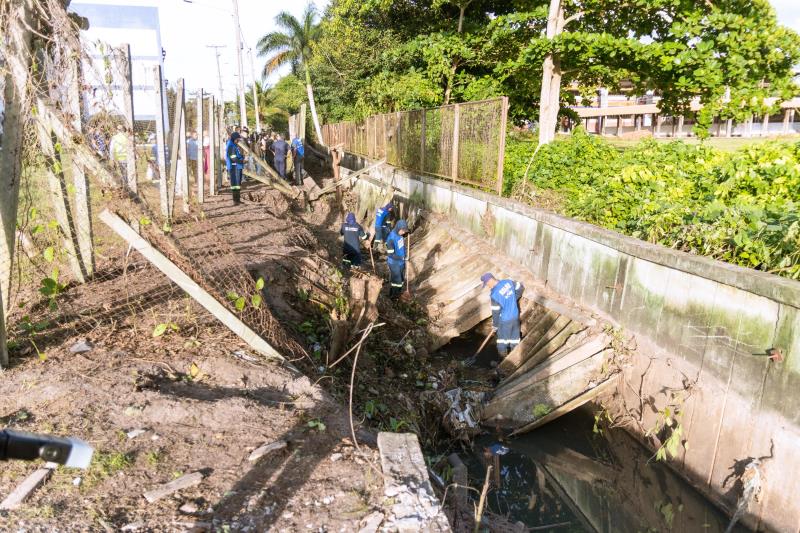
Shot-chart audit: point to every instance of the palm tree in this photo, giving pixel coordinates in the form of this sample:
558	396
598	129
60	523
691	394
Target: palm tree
292	45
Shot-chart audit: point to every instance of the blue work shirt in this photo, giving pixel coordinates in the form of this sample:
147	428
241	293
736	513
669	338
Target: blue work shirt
233	154
353	233
395	248
504	298
380	217
191	149
279	149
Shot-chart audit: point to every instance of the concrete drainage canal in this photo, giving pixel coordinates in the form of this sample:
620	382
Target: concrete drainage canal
534	421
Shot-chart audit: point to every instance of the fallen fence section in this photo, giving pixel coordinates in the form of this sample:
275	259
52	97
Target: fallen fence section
231	321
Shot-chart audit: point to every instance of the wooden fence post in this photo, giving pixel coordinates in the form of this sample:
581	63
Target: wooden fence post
126	69
501	151
422	140
161	143
456	139
83	206
212	147
201	197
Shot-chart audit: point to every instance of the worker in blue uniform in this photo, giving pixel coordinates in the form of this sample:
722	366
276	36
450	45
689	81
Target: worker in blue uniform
505	295
382	222
396	258
353	235
234	160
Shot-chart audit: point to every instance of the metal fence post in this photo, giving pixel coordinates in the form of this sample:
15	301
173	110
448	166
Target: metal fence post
456	138
501	149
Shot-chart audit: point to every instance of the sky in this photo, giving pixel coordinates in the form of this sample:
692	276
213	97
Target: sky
187	28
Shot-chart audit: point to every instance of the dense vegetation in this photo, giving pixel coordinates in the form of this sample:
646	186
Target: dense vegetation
740	207
375	56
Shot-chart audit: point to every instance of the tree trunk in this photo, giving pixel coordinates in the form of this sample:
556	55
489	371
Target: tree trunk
551	78
313	106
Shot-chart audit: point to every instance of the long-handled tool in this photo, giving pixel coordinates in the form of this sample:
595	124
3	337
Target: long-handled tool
471	360
406	296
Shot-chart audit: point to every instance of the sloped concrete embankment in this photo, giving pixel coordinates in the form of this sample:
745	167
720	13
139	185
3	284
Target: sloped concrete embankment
704	331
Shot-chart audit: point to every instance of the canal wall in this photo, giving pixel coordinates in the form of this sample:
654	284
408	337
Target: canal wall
703	331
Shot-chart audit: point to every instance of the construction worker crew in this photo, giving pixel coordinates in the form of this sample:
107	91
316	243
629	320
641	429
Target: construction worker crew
396	258
505	295
382	227
353	235
235	163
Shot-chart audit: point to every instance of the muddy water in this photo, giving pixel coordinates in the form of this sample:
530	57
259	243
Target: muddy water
566	476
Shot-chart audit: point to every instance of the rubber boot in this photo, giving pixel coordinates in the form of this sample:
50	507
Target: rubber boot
237	196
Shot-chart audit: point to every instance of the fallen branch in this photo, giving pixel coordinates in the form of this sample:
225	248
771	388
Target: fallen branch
352	380
351	176
366	331
482	501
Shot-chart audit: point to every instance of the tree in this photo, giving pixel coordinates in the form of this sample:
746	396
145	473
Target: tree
684	50
293	46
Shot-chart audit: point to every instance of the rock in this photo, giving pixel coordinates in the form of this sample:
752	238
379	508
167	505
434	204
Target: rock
327	500
77	481
188	508
133	410
133	526
371	523
263	450
132	434
82	346
335	457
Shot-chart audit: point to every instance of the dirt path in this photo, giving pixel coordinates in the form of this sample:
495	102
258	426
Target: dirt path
156	408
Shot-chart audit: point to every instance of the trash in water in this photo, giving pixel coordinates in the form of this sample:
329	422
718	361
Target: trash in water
463	408
498	449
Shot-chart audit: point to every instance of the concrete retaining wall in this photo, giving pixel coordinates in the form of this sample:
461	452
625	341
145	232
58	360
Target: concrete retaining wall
703	328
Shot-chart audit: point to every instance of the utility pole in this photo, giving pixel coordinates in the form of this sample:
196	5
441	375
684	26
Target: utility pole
255	92
242	107
216	48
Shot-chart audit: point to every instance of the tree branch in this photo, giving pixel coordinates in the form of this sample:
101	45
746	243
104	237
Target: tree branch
571	18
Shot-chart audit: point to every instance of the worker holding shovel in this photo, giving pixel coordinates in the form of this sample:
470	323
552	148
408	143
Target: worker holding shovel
396	258
353	234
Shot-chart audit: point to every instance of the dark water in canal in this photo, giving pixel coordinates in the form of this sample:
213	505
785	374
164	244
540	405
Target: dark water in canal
565	477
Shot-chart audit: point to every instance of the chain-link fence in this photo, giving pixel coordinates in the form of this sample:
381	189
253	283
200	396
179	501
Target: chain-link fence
66	271
461	142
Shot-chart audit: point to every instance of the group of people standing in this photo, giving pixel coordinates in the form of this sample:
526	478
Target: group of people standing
504	293
270	147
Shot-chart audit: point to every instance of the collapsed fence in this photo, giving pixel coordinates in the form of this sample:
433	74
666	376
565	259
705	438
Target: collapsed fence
84	184
462	142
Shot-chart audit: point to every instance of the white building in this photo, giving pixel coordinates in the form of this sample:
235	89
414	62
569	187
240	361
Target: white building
112	26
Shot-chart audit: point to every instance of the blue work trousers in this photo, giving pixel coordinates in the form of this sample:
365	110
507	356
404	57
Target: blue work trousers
508	336
397	271
280	166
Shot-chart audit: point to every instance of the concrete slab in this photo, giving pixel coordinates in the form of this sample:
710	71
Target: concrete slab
412	504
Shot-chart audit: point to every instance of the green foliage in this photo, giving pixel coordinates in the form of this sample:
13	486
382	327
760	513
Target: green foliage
740	207
164	327
317	424
541	409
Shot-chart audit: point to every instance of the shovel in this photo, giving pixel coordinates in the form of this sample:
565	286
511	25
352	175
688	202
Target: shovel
471	360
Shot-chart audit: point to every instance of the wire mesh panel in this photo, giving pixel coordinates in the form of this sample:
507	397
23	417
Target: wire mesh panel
479	142
426	140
